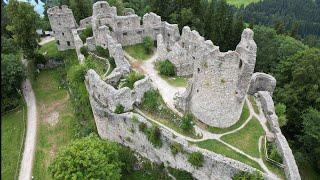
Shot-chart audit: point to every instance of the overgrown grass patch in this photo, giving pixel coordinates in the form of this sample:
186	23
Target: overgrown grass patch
239	3
138	52
96	64
154	106
50	49
13	126
244	116
247	138
176	81
273	168
252	100
51	137
220	148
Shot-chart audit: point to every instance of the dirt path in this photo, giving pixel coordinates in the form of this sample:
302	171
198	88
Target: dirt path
166	90
30	141
46	40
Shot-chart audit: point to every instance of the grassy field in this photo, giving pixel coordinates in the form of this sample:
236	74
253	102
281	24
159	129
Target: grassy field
247	139
138	52
244	116
176	81
218	147
254	104
56	120
238	3
13	126
98	65
49	49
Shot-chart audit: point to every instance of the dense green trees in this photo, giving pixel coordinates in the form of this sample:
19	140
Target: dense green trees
22	24
88	158
296	17
81	9
12	74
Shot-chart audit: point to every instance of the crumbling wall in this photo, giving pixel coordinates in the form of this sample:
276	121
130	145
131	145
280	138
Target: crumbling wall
123	129
78	44
85	22
267	105
262	82
62	22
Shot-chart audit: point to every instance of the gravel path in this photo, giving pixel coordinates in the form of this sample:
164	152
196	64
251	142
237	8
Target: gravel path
30	141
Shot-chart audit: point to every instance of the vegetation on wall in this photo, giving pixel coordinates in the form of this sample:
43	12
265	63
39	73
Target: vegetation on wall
131	78
87	32
196	159
247	176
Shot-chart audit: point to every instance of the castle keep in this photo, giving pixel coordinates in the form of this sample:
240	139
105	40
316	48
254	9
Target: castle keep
216	92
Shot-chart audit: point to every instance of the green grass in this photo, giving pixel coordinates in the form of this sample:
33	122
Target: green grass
13	126
244	116
254	104
138	52
247	138
50	138
50	49
176	81
275	169
238	3
220	148
99	65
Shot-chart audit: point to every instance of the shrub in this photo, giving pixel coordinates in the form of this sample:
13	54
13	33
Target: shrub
273	152
119	109
180	174
151	100
186	122
39	58
142	127
84	51
131	78
102	51
247	176
148	44
176	148
166	68
86	33
281	112
88	158
154	136
196	159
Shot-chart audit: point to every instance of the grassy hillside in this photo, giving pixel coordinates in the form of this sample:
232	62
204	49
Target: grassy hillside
238	3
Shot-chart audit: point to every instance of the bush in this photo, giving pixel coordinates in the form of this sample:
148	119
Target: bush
180	174
88	158
166	68
86	33
186	123
112	62
39	58
151	100
273	152
84	51
148	44
176	148
102	51
142	127
131	78
119	109
247	176
154	136
196	159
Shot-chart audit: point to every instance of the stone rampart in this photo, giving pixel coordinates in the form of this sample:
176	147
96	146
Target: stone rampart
291	168
262	82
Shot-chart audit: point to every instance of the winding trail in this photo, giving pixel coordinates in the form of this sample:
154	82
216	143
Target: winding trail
30	141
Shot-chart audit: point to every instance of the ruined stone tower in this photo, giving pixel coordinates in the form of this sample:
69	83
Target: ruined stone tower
62	22
220	82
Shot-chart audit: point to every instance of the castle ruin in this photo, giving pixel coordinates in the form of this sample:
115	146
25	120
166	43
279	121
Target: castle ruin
215	95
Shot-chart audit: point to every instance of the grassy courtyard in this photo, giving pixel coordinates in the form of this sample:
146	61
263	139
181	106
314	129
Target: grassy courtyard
252	100
13	126
176	81
138	52
247	139
220	148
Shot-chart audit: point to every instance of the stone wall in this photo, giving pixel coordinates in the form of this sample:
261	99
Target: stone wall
291	168
262	82
121	128
62	22
220	79
111	97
